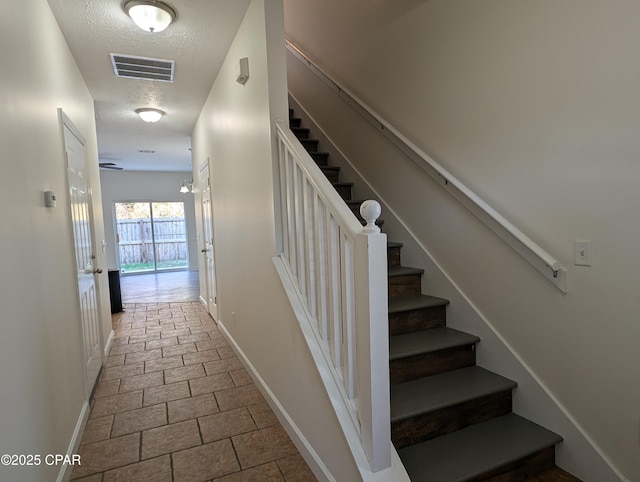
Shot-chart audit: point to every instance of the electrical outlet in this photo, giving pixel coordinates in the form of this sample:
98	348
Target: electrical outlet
582	253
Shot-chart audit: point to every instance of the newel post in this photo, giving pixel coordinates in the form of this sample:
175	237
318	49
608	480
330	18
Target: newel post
372	326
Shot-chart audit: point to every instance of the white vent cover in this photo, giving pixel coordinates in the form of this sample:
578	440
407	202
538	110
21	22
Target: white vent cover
143	68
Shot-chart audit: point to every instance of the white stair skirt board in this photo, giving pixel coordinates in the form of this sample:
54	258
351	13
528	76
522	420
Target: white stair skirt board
396	473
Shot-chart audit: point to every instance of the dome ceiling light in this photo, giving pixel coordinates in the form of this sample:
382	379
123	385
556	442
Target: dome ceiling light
150	15
148	114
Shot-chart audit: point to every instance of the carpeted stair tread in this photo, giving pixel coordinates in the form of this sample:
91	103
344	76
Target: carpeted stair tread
427	341
415	302
475	450
428	394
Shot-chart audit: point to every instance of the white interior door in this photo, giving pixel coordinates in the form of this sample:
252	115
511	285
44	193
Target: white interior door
208	250
80	198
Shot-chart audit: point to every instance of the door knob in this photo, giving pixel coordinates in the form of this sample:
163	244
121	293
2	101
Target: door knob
97	271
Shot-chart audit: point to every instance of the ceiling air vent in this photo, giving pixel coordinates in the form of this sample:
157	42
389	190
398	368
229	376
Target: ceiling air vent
143	68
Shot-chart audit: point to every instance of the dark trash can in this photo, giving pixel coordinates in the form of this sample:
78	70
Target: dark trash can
114	291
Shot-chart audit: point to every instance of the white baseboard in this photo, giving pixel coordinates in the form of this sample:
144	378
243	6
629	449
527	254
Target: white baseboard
310	456
107	345
65	471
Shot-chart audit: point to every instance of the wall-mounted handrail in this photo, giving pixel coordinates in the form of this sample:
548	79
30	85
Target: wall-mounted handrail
520	242
338	270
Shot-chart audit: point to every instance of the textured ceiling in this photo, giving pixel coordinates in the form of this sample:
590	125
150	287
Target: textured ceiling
197	41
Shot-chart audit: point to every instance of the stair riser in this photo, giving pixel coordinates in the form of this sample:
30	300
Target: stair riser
355	209
300	133
310	144
295	122
523	469
414	367
405	285
331	174
321	158
416	320
393	256
344	191
430	425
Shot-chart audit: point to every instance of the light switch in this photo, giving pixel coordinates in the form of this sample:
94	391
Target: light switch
582	253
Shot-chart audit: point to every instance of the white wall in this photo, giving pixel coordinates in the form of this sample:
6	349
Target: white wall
235	132
534	105
132	186
40	348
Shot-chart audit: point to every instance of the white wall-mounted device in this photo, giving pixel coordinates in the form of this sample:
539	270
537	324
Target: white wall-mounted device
49	199
582	253
243	71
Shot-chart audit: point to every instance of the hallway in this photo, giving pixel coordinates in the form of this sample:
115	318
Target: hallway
174	403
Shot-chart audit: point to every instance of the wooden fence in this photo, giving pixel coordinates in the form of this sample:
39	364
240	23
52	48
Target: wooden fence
136	240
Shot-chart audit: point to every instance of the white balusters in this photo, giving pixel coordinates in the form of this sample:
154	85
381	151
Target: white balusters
340	271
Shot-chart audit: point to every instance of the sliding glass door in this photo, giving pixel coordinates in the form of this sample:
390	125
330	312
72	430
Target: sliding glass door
151	236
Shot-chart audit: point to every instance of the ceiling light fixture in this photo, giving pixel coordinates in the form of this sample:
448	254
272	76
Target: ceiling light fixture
150	15
149	114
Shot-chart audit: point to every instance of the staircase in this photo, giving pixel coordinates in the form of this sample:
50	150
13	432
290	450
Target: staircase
451	420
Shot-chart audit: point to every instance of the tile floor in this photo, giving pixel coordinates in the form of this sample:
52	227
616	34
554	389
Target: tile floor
174	403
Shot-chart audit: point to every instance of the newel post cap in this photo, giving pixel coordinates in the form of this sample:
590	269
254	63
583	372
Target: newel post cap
370	211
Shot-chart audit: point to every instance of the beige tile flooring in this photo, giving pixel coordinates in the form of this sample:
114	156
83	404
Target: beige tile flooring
174	403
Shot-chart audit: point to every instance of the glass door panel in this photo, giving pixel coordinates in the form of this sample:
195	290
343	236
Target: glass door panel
170	235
